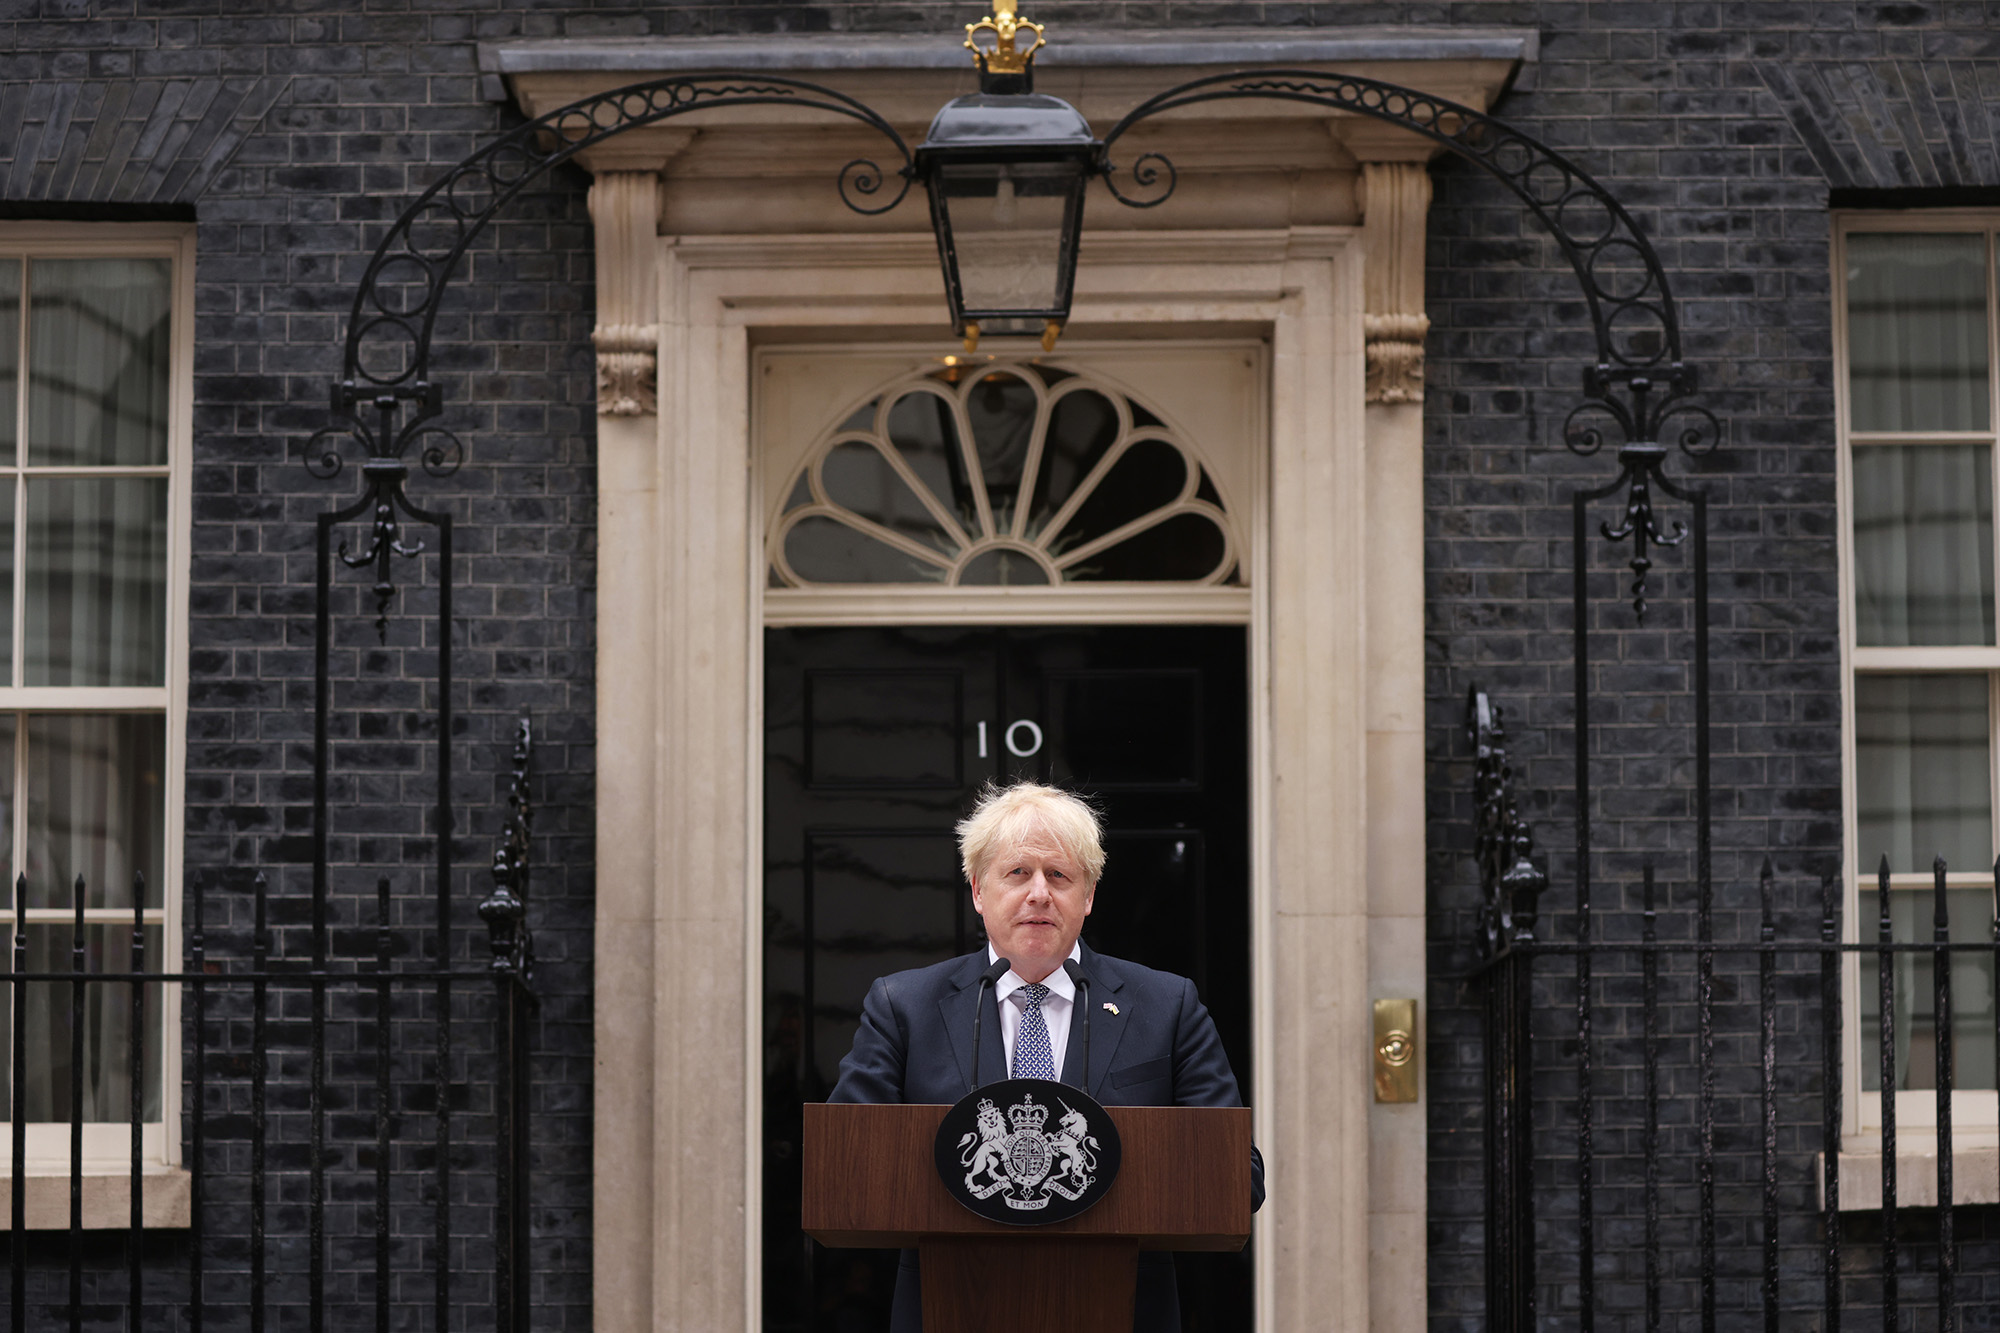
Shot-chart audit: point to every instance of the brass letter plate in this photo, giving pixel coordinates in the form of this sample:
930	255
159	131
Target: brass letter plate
1395	1050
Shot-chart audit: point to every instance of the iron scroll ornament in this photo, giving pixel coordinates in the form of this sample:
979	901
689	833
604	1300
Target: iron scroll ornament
386	359
1028	1151
1638	384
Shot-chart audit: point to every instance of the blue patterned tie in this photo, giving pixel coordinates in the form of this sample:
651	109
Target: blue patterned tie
1032	1057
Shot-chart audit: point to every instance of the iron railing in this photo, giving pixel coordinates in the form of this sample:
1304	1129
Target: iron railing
1538	1008
305	1192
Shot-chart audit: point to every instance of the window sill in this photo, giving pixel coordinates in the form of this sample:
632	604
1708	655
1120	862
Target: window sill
166	1200
1975	1178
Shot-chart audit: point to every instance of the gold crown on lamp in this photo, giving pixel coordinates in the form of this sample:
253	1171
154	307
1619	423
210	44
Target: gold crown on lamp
1004	54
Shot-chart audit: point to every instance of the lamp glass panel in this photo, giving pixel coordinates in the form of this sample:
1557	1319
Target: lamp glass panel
1007	230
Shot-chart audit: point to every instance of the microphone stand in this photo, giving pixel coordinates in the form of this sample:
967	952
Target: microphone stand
986	982
1080	1010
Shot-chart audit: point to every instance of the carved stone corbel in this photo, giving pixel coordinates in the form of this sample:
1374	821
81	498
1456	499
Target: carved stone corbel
1395	201
624	210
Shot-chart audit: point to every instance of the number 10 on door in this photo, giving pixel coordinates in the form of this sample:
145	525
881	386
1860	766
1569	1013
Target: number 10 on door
1023	739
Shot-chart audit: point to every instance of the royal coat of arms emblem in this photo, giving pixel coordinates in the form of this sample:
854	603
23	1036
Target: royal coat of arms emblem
1034	1151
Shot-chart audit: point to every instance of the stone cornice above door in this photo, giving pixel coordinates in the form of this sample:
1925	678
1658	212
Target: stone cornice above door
1243	165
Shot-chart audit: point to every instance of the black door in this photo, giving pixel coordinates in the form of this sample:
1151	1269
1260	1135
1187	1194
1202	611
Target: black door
876	741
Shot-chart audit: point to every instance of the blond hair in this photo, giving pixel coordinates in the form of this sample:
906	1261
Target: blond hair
1007	818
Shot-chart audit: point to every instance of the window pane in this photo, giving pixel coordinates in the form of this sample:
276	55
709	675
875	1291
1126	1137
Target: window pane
1916	332
858	478
1923	771
1148	476
825	550
1923	544
1082	426
97	581
1002	411
96	806
1911	916
10	355
924	431
107	1025
99	336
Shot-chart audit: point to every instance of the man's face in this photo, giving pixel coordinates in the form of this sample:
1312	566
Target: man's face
1033	900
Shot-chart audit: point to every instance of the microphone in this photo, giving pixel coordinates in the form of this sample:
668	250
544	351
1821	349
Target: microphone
1080	1010
986	980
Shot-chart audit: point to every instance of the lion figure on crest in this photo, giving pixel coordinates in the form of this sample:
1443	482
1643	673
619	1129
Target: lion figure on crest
982	1154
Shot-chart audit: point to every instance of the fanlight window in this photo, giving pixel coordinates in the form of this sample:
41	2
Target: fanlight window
1002	474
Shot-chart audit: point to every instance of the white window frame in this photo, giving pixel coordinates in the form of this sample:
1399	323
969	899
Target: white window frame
1975	1113
107	1147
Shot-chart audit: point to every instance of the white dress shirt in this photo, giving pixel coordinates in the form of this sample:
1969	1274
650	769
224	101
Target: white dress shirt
1056	1007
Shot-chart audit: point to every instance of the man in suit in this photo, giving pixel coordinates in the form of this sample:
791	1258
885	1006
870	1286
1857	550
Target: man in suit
1032	855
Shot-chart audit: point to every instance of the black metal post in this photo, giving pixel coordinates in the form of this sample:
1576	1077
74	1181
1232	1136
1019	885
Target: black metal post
136	1073
1510	1202
1649	1000
76	1019
1705	960
197	993
260	961
1586	1229
1767	1014
17	1259
1941	1010
384	1022
1580	685
1886	998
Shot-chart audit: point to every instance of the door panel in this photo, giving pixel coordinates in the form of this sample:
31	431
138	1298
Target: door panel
1126	730
877	741
884	729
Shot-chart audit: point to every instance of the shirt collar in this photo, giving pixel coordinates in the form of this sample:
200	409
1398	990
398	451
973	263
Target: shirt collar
1058	982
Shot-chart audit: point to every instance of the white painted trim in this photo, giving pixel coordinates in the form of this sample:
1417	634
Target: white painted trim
174	241
1923	659
1102	604
1975	1114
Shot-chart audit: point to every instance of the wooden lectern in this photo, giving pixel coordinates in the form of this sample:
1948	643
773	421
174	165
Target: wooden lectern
871	1181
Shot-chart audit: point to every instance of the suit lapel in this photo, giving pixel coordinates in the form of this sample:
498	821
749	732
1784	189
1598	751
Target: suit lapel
1107	1029
955	1012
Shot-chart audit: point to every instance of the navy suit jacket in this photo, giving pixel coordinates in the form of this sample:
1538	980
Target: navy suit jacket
1159	1049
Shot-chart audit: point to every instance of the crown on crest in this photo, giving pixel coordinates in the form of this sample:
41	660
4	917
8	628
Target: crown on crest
1027	1115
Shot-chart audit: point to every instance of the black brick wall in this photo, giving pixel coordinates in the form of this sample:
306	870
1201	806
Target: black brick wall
295	128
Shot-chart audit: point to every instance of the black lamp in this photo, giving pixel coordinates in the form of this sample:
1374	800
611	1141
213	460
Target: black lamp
1006	169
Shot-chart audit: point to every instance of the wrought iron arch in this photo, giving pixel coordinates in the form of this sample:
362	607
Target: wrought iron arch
1623	282
386	356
